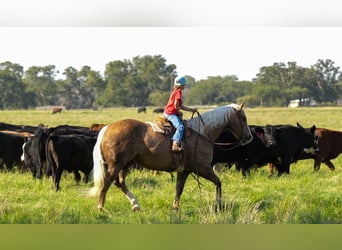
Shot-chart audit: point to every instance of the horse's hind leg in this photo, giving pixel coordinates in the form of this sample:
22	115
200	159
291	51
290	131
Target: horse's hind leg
109	178
120	182
209	174
181	179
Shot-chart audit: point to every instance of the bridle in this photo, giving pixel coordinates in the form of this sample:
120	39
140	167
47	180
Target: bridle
212	141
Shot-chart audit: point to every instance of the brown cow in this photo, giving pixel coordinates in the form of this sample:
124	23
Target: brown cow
330	146
56	110
97	126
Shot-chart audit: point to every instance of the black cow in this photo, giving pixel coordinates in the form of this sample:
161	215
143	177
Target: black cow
18	128
247	156
72	153
70	129
158	110
142	109
35	151
11	150
292	141
27	157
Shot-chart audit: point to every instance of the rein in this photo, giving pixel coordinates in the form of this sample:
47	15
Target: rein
205	127
196	177
232	145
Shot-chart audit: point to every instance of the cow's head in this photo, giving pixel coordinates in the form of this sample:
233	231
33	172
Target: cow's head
267	135
311	143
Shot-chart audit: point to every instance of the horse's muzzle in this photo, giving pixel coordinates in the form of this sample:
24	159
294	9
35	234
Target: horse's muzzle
246	139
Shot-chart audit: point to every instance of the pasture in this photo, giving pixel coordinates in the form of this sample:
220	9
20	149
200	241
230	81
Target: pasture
301	197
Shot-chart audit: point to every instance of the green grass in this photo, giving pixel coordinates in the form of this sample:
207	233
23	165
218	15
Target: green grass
302	197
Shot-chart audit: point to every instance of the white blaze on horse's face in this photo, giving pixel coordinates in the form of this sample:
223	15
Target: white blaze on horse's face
244	135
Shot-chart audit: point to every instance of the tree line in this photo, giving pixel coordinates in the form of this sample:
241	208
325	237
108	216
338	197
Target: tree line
147	81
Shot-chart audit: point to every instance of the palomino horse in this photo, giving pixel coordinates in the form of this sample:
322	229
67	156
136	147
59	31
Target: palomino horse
130	141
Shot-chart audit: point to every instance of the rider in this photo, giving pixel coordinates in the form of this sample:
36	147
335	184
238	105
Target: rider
173	113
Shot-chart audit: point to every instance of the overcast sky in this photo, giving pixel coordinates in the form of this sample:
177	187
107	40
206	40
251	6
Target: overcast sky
202	38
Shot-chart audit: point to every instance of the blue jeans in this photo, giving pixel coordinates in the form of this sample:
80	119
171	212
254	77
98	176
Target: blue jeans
178	124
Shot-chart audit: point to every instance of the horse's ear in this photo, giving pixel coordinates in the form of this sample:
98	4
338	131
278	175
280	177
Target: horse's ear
241	106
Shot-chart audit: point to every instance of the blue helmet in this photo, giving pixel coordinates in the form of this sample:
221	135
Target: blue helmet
180	81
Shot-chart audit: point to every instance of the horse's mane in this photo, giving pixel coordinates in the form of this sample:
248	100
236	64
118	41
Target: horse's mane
212	119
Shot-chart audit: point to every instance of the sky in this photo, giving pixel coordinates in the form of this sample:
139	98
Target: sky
202	38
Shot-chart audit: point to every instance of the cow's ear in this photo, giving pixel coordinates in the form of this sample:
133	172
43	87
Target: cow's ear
312	129
259	130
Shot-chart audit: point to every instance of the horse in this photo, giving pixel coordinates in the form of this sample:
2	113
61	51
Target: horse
131	141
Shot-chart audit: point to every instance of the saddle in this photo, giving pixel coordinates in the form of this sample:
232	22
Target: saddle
165	125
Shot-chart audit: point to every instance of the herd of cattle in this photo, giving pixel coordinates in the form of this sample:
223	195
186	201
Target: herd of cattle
50	151
143	109
46	149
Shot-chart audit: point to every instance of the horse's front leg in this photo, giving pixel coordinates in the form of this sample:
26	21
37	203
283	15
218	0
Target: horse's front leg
181	179
219	195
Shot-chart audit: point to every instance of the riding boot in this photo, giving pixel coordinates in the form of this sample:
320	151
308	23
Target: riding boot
176	146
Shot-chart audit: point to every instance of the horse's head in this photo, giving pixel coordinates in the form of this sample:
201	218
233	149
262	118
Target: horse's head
238	124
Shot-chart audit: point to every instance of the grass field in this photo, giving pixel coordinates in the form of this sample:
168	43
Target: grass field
301	197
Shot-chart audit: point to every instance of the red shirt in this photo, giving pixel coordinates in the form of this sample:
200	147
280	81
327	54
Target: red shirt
170	108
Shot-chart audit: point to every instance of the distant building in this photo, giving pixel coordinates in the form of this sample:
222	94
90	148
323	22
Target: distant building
305	102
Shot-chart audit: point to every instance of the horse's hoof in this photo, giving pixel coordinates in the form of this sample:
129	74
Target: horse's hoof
175	205
100	208
135	208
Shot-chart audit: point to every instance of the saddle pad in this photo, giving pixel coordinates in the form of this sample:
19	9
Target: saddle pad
155	127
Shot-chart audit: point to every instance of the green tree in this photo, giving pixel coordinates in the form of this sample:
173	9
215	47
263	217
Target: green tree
93	86
159	98
40	82
115	75
270	95
326	75
80	89
69	89
286	81
151	74
130	83
213	90
12	89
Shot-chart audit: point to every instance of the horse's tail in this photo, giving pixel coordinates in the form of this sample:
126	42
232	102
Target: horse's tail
50	162
99	173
